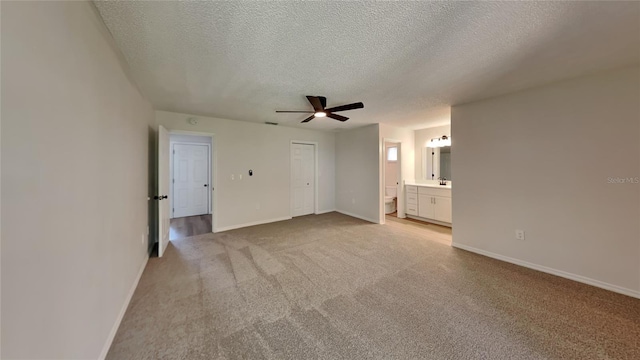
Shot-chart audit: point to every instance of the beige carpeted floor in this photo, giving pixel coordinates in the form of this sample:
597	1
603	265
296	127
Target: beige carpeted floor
334	287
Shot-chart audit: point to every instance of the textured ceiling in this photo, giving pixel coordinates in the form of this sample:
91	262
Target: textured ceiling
407	61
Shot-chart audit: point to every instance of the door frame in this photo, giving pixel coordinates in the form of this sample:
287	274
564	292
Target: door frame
383	168
172	183
315	174
213	209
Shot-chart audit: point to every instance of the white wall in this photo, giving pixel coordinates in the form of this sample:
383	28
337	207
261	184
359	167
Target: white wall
265	149
358	182
542	160
406	137
75	134
422	138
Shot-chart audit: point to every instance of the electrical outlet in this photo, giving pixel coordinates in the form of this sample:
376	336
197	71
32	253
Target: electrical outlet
233	177
239	176
519	234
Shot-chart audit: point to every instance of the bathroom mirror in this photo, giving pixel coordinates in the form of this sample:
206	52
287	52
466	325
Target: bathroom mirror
436	163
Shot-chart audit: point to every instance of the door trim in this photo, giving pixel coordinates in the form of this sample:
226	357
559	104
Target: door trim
213	209
172	182
315	175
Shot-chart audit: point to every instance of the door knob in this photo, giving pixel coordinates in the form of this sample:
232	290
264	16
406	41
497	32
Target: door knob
205	185
164	197
307	183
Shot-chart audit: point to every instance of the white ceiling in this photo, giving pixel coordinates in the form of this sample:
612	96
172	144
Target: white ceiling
407	61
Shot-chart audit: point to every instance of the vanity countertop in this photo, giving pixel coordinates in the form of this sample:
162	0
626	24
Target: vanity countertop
435	185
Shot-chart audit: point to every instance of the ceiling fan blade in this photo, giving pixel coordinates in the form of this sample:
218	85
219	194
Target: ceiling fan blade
316	103
338	117
308	119
353	106
295	111
323	101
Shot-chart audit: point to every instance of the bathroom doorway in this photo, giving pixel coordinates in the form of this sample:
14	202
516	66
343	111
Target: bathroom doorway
392	176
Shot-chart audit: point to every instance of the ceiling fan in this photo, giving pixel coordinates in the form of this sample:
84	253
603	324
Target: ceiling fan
319	103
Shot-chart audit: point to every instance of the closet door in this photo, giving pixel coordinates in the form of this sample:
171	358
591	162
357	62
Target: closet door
190	180
302	179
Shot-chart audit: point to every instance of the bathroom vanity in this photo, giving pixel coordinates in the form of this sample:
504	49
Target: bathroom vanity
429	202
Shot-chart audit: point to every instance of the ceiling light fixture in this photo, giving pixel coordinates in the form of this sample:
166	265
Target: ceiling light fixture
320	114
440	142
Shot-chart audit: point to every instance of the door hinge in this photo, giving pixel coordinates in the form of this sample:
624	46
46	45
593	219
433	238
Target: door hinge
174	180
174	151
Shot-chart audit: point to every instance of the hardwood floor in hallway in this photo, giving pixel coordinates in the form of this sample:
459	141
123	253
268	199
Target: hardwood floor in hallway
184	227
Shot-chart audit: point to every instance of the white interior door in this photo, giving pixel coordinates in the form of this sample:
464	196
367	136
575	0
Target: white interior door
163	189
190	180
303	179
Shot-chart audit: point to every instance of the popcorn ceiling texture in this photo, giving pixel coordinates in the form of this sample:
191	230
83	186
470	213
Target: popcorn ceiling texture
407	61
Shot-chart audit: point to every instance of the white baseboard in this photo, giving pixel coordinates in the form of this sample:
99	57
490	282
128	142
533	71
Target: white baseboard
358	216
441	223
232	227
114	330
548	270
325	211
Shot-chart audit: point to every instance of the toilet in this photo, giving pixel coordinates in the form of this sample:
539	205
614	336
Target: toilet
390	194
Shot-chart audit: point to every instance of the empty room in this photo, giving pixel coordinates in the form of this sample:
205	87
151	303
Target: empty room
319	180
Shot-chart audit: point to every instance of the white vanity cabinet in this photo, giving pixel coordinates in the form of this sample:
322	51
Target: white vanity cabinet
429	203
411	194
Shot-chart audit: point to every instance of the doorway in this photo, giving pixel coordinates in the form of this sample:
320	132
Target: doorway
391	180
303	178
191	175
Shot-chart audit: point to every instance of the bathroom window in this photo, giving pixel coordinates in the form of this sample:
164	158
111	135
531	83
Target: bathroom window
392	154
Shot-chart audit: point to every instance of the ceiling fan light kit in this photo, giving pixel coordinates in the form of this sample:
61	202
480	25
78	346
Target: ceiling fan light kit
319	103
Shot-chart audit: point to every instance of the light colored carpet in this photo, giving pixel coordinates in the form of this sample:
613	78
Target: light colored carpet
334	287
